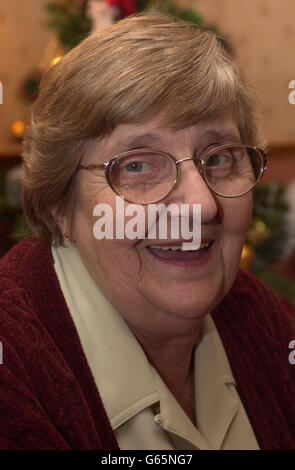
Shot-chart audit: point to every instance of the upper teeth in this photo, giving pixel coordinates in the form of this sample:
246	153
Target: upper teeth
180	247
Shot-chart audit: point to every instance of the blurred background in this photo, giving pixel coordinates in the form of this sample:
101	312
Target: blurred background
34	34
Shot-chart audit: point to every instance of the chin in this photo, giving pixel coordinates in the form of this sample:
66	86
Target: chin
190	303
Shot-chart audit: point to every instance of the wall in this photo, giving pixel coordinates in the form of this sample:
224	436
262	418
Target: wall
23	39
262	31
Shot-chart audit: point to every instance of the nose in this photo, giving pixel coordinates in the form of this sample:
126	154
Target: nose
191	189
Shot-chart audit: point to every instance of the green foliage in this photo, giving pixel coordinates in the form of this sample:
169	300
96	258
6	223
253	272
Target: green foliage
68	18
5	207
188	14
20	229
30	86
271	208
279	284
169	7
143	4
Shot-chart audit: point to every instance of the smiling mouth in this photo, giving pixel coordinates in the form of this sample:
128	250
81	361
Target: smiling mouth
175	254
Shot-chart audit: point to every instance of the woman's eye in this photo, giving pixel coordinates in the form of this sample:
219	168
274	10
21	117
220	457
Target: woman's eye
218	160
137	167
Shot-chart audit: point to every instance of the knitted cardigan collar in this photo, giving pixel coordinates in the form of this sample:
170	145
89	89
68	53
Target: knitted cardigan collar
253	328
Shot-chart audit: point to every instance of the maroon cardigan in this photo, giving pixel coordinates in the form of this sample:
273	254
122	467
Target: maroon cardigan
48	397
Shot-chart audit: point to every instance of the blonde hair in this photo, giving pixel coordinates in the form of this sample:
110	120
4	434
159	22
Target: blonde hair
124	73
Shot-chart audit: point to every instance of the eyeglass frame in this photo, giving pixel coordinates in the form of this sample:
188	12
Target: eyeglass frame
106	166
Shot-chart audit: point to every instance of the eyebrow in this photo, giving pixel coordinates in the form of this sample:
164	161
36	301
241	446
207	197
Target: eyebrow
147	139
213	136
139	141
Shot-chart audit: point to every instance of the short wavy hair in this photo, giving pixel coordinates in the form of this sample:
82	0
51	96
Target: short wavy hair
124	73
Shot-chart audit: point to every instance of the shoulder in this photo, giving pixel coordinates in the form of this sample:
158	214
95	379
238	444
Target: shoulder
27	272
248	286
256	334
24	270
252	307
31	359
252	292
29	291
24	260
47	393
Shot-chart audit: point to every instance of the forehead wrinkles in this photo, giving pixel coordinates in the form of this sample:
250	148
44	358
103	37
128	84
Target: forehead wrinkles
151	135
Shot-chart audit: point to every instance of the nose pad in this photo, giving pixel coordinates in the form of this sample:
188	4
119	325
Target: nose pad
199	166
197	163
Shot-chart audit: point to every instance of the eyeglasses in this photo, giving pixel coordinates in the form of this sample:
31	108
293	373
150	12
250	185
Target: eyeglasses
147	176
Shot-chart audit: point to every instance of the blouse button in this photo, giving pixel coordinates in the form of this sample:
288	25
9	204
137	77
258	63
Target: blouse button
159	419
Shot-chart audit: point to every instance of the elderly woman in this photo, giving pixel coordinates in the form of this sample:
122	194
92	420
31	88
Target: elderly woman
135	342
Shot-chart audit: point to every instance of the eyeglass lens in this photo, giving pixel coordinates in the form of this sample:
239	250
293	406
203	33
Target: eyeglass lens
145	177
233	171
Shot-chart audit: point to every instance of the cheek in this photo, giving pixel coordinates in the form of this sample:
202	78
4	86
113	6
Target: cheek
89	192
237	216
88	196
109	257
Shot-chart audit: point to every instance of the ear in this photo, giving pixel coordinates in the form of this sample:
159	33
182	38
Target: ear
63	222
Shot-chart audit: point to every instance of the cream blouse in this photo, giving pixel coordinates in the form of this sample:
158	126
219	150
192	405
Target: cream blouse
143	412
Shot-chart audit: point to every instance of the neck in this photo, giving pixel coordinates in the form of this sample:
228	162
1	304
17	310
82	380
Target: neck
172	358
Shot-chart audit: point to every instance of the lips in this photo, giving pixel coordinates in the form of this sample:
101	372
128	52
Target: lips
175	254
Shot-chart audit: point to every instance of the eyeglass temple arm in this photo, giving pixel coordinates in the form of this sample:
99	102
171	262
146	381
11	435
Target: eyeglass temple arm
264	156
91	166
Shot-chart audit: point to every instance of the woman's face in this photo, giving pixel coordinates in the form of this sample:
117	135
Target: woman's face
148	290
